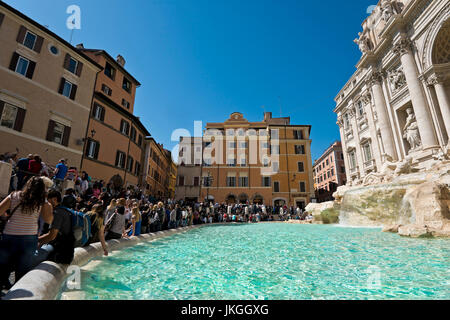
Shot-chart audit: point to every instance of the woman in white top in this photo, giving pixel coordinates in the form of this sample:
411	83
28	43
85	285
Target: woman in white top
20	236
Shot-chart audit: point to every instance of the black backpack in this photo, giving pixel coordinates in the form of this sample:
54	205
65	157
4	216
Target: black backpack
65	245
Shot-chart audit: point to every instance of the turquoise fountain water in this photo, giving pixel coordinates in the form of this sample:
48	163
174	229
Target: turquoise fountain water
275	261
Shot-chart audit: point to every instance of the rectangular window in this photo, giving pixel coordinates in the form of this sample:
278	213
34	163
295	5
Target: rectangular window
137	169
276	186
298	134
266	182
92	149
196	181
352	158
360	108
242	145
124	127
367	152
181	181
140	140
58	133
120	159
30	40
99	112
22	66
231	181
243	181
106	90
300	167
125	104
300	149
275	167
8	116
110	71
243	162
133	134
126	85
130	162
73	64
67	89
332	172
275	149
302	186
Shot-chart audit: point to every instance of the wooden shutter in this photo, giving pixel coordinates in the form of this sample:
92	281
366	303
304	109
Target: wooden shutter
13	64
61	85
117	158
1	18
38	45
50	130
1	108
67	61
88	147
30	70
66	137
127	125
94	110
102	117
21	34
20	118
73	93
79	69
97	149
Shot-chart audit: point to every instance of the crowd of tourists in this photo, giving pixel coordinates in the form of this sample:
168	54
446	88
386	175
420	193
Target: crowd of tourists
37	217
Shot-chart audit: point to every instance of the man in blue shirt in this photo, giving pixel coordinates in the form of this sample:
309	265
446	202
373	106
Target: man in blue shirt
60	174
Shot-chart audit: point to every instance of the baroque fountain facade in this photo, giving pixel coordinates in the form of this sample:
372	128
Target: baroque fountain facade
394	120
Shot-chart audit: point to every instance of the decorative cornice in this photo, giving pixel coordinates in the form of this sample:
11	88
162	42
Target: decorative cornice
436	78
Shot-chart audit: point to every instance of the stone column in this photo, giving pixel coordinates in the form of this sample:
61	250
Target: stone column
403	48
443	99
374	81
340	123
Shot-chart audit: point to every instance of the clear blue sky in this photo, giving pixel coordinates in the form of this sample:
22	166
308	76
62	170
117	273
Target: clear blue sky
204	59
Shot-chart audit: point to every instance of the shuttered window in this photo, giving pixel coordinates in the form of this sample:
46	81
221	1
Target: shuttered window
130	162
58	133
302	186
124	127
68	89
30	39
266	181
301	167
120	159
137	169
2	16
22	65
73	65
98	112
11	116
92	149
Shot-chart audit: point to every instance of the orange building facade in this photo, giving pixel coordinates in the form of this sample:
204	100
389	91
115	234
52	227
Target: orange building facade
257	162
329	172
115	138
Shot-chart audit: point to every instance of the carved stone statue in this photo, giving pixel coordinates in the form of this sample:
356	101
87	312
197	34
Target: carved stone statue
411	131
396	79
387	10
404	167
364	43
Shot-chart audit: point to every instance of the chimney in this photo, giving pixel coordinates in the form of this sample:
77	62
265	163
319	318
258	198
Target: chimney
267	116
121	60
80	46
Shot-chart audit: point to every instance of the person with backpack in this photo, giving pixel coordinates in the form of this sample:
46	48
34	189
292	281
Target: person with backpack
58	245
115	224
179	215
145	219
20	237
97	227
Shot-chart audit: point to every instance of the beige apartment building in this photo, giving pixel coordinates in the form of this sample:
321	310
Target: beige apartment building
46	88
268	162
